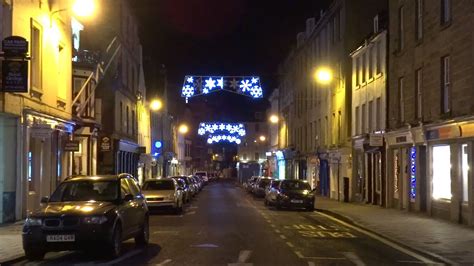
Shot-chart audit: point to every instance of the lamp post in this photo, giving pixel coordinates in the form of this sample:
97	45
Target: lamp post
156	105
324	76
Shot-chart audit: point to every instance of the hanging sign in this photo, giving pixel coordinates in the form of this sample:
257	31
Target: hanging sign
105	144
14	76
71	145
376	140
15	46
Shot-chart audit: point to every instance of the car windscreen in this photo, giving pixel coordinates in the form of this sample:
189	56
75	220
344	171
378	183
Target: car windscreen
86	190
264	182
295	185
200	173
158	185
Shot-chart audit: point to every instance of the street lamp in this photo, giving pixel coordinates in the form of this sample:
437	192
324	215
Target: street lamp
183	129
323	75
156	105
84	8
274	119
262	138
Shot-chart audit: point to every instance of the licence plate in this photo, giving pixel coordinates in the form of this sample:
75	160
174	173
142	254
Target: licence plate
296	201
60	238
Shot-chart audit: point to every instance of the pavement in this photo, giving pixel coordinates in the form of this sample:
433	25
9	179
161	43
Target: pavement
445	240
10	242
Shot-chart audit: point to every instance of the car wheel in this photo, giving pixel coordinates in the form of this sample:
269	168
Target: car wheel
179	208
116	245
143	237
34	254
310	208
278	205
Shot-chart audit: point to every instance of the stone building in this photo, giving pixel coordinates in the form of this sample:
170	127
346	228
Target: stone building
317	115
430	113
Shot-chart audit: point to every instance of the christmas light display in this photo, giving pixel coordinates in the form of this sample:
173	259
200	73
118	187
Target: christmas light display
243	85
222	132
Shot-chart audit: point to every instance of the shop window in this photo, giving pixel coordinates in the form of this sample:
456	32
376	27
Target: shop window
396	173
441	172
31	186
465	172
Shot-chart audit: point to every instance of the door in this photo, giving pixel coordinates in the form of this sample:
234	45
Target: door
324	177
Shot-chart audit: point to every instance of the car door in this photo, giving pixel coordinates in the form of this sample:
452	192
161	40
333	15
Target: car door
139	207
127	209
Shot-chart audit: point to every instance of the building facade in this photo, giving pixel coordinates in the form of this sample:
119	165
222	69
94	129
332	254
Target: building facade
254	146
429	154
35	126
319	116
369	87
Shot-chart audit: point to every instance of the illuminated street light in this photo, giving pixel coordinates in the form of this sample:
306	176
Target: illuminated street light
84	8
183	129
274	119
323	75
262	138
156	105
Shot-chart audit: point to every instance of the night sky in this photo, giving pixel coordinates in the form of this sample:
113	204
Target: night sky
222	37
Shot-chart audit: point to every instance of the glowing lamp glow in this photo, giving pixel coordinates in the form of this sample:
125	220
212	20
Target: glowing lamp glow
84	8
156	105
262	138
323	75
158	144
274	119
183	129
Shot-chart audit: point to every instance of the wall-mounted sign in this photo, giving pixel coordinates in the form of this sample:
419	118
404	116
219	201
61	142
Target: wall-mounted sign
15	46
15	76
105	144
41	131
443	133
376	140
71	145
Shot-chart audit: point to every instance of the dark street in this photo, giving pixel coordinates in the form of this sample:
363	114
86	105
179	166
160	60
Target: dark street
224	225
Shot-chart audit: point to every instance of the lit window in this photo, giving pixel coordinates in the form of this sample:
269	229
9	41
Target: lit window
441	172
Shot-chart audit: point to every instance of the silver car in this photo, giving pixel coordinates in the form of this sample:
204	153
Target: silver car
163	192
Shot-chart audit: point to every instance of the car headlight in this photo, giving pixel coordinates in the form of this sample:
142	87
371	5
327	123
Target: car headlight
94	219
33	221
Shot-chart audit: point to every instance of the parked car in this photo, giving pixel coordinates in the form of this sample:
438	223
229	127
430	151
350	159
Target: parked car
187	194
295	194
260	186
250	182
203	175
271	192
163	193
193	187
86	212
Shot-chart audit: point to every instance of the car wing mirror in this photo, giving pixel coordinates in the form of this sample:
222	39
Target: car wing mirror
128	197
44	199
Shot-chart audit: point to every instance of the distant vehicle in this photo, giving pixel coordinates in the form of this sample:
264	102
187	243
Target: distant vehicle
203	175
250	182
295	194
164	192
87	212
260	185
271	192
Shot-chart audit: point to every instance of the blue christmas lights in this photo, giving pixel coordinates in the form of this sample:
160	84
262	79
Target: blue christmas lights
244	85
222	132
413	172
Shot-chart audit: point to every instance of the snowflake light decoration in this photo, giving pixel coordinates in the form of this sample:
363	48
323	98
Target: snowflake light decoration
222	132
190	79
210	84
223	138
188	91
220	82
256	92
245	85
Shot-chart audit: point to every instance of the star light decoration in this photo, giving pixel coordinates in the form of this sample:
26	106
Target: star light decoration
244	85
222	132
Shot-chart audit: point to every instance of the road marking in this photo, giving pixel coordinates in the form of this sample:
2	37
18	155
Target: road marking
205	246
244	255
354	258
298	253
290	244
165	232
277	231
190	213
272	225
310	263
164	262
385	241
282	237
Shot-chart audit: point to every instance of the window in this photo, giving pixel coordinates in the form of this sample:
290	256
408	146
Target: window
357	70
364	67
257	127
35	53
371	115
127	124
419	20
401	100
441	172
121	117
133	122
357	121
445	85
445	11
378	114
339	126
364	118
378	58
333	128
401	29
465	173
419	93
371	59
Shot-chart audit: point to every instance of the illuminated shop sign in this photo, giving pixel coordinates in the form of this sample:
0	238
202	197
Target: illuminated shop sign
413	173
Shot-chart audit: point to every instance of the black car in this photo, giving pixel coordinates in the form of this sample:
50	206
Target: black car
86	212
295	194
260	186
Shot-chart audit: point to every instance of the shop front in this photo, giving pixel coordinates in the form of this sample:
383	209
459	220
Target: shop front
407	181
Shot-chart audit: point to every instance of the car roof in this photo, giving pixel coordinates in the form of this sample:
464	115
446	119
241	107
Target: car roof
96	177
